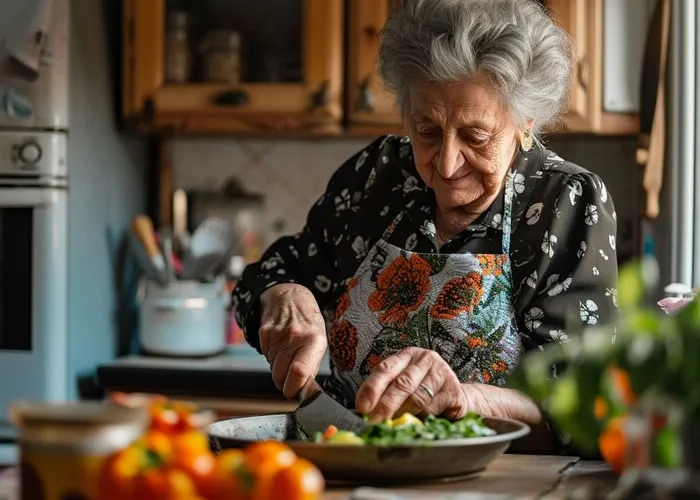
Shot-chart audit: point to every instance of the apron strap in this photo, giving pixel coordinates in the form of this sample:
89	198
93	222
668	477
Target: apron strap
508	212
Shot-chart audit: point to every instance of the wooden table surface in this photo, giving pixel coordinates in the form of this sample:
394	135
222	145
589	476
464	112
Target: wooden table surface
512	476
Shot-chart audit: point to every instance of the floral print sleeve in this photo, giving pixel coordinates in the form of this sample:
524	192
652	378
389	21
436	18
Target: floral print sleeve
572	273
310	257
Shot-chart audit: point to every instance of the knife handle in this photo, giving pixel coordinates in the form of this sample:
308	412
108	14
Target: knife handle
310	389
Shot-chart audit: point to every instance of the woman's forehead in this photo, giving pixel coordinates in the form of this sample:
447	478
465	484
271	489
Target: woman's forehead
466	102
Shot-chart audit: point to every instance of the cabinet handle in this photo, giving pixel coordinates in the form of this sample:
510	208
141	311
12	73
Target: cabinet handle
319	98
232	98
365	97
582	70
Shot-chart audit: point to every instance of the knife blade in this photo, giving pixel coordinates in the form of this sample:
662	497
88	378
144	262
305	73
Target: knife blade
317	410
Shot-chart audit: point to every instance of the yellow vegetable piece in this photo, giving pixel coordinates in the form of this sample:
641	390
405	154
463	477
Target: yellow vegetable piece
345	437
406	419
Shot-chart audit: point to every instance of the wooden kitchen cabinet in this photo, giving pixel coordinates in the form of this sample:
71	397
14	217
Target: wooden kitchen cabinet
371	110
290	70
583	20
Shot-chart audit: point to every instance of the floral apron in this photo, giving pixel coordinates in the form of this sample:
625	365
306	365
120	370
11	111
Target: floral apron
458	305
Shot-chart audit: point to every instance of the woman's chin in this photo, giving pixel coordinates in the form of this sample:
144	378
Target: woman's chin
454	199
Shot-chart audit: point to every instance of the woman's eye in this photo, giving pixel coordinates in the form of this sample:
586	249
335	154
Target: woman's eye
428	133
477	139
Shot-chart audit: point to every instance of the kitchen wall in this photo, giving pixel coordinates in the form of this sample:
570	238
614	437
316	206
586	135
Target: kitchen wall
292	174
107	187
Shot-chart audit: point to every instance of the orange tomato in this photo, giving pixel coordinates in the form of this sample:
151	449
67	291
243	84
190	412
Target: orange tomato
330	432
117	474
622	386
200	467
157	442
164	418
163	484
189	442
264	450
264	469
231	481
612	444
300	481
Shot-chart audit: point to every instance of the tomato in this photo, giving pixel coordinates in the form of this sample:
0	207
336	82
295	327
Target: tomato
163	484
116	477
264	450
264	470
612	444
300	481
164	418
332	429
189	442
157	442
231	481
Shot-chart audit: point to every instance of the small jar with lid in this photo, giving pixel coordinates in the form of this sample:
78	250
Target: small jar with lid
178	64
221	51
63	446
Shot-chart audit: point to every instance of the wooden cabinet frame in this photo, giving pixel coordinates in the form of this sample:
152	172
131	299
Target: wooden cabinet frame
583	20
370	109
315	105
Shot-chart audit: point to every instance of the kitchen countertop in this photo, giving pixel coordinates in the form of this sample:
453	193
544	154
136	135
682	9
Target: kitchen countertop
508	477
240	372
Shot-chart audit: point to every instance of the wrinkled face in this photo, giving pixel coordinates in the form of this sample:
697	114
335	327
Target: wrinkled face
464	141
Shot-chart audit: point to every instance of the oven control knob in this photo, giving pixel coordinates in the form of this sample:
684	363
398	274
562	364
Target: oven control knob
29	152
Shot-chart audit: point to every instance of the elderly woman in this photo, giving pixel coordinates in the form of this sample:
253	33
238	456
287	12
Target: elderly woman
439	258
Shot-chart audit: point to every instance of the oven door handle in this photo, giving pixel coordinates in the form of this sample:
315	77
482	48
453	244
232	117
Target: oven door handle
28	197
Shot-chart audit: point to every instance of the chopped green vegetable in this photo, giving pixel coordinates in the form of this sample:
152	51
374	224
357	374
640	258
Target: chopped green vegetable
410	430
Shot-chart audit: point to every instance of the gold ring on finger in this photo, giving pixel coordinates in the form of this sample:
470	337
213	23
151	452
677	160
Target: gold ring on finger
428	390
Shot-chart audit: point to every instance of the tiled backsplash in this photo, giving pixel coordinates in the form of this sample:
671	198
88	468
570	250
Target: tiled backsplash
293	173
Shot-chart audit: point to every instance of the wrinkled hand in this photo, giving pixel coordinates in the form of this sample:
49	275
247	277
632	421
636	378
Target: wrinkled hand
292	336
394	387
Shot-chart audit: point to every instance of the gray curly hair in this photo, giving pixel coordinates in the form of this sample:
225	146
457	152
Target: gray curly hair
527	56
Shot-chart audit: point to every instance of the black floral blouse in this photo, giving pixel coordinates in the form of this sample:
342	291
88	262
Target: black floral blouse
562	245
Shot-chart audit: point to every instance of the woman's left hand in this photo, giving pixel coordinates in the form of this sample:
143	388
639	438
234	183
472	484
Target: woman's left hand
416	381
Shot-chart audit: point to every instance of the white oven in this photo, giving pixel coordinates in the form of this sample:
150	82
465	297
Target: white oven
33	272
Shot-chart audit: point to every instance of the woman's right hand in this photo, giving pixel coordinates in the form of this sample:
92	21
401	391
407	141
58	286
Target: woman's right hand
292	336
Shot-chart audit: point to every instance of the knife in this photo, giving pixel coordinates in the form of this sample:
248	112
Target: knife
317	410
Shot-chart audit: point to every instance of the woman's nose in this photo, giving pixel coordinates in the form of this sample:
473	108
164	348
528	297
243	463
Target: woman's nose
449	159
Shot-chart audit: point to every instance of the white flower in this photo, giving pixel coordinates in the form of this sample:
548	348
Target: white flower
603	254
611	239
322	283
312	249
558	336
497	221
360	248
582	250
342	201
612	293
271	262
532	280
410	184
533	317
519	183
558	288
411	241
589	312
361	160
603	193
293	251
548	244
591	215
575	190
428	228
385	160
384	211
596	272
533	213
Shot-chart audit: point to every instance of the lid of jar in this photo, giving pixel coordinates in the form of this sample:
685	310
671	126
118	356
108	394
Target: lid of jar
26	413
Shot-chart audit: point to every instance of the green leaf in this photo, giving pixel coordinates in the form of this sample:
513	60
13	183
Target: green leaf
631	288
417	328
437	262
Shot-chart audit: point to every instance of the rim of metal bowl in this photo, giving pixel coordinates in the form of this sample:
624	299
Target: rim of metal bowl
521	430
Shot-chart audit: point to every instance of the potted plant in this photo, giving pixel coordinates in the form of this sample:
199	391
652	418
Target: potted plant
630	390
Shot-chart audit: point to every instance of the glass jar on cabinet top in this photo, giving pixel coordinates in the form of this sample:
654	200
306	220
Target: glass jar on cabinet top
221	54
178	65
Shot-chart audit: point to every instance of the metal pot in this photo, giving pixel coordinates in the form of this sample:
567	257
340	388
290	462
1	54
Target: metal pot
184	318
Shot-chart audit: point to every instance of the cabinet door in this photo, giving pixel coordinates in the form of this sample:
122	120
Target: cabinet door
370	109
583	20
288	77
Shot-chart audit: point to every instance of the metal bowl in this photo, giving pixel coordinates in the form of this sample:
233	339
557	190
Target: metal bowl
434	461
